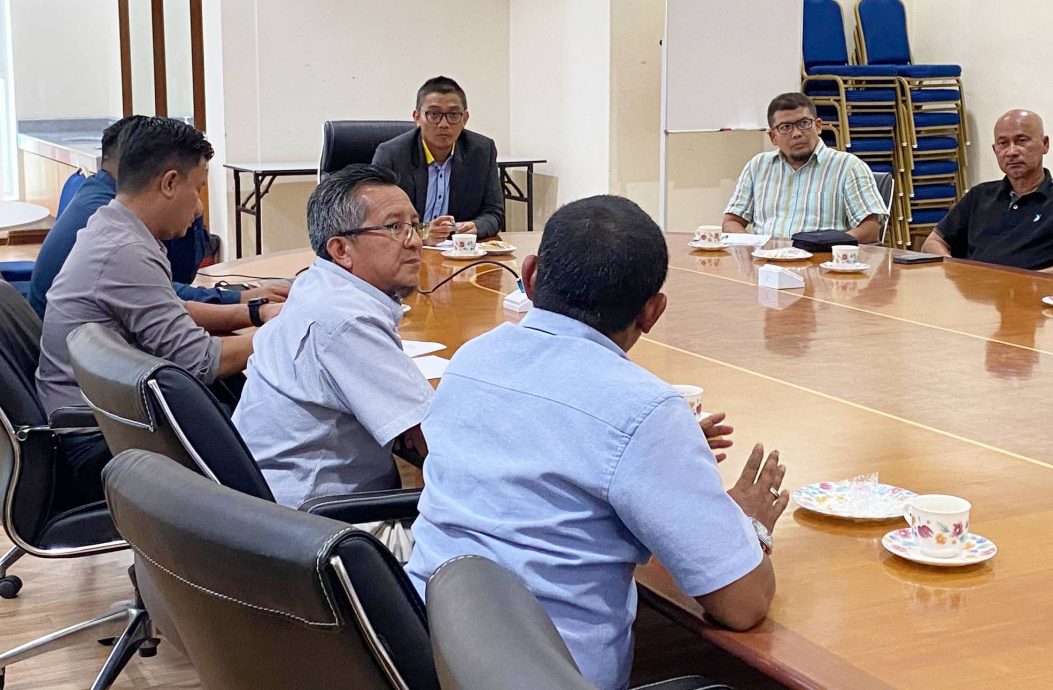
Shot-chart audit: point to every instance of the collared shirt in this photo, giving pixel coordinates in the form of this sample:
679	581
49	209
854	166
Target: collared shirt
97	191
117	275
438	200
991	223
329	389
593	465
833	190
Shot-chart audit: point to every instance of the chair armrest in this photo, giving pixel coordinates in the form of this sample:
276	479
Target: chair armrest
366	506
73	418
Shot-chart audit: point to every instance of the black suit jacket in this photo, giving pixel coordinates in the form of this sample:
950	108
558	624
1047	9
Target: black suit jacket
475	186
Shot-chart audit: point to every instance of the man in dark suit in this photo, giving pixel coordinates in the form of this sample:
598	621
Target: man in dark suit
449	173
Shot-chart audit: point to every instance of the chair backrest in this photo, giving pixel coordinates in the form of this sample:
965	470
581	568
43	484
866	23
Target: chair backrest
488	631
70	188
29	462
886	184
824	34
883	26
355	141
146	402
263	596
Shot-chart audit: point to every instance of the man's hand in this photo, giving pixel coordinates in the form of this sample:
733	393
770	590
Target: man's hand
269	311
275	293
715	433
754	489
440	229
467	226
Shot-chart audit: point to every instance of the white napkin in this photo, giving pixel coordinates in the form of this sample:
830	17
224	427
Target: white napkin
416	348
431	366
746	239
442	246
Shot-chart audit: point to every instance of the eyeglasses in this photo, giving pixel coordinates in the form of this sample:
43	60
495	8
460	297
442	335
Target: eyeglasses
400	232
804	124
435	116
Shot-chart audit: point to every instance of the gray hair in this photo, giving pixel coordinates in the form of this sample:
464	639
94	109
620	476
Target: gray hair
336	205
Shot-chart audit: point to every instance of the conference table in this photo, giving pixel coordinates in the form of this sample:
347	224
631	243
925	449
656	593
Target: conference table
936	376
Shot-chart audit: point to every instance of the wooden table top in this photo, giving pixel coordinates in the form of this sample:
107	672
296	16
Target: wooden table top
938	376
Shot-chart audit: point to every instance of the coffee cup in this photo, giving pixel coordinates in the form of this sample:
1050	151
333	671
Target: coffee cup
845	254
938	523
709	235
464	243
693	397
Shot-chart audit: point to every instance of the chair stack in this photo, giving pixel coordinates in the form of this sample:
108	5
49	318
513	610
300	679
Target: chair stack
903	119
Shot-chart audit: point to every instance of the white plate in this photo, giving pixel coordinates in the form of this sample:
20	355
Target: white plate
723	244
835	499
782	254
977	549
1048	300
845	268
464	257
496	252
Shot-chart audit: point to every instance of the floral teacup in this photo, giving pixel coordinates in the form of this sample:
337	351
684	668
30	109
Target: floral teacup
693	396
845	253
938	523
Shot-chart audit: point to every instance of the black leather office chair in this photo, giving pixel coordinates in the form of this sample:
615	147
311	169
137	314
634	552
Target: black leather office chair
355	141
488	631
146	402
35	485
263	596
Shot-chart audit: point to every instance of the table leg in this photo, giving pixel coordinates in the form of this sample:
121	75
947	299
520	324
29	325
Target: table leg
237	214
257	179
530	197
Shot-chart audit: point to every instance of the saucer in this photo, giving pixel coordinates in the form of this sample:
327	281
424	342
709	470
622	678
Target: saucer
781	254
695	244
977	549
845	268
475	254
1048	299
835	499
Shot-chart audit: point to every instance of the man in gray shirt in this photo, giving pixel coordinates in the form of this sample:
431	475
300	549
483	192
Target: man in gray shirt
118	275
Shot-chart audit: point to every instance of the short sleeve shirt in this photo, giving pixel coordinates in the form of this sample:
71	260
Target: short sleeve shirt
329	388
593	465
833	190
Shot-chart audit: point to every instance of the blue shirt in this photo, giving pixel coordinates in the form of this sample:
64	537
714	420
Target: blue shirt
329	388
593	465
97	191
437	202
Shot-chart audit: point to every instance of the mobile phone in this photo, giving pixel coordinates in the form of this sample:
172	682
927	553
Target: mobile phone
916	258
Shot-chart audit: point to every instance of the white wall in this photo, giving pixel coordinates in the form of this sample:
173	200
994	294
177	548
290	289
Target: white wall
1004	50
66	58
559	78
289	67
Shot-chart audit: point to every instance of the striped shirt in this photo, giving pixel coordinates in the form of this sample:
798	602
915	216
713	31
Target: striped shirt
833	190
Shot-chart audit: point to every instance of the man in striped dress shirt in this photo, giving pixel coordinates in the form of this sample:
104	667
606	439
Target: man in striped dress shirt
804	185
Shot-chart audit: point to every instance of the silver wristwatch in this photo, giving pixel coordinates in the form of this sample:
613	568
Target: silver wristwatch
763	536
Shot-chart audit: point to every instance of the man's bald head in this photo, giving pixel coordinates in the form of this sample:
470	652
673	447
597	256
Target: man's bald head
1020	143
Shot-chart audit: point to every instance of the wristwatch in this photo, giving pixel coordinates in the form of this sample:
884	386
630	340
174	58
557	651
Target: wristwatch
763	535
254	310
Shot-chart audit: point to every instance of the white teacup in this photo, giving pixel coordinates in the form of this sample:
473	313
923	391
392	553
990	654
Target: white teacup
845	254
938	523
693	396
709	235
464	243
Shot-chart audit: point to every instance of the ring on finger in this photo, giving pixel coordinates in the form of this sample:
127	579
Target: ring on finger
774	492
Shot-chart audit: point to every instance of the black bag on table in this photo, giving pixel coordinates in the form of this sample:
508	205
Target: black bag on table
821	240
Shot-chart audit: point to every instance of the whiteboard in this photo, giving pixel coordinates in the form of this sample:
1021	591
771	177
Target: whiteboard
726	59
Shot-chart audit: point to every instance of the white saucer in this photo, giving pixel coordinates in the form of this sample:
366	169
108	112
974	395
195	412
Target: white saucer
1048	299
977	549
845	268
781	254
450	254
840	499
695	244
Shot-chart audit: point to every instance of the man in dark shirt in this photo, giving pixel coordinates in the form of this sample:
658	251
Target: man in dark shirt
184	253
1009	221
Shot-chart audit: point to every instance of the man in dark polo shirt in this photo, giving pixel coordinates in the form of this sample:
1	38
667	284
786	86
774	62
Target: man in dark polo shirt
1010	221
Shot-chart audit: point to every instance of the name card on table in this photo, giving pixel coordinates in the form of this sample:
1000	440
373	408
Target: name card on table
778	278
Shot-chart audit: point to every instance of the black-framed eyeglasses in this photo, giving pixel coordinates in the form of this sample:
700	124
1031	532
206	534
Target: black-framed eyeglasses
400	232
804	124
435	116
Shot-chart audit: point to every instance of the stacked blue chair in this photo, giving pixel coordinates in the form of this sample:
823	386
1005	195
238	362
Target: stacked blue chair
931	111
858	104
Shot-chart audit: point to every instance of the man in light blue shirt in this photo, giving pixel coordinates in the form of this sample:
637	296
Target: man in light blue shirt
594	464
329	389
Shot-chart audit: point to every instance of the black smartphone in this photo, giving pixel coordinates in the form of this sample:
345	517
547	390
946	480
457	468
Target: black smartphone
916	258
